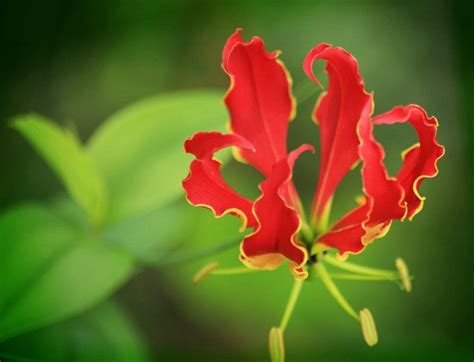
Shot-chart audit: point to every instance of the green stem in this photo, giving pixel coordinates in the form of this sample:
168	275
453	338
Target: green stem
332	288
359	269
290	306
321	225
307	233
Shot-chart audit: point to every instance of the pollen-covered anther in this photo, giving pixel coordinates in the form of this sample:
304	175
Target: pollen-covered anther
204	272
369	329
404	274
276	345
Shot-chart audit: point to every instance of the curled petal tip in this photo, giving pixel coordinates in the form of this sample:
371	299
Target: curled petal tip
369	329
404	274
204	272
338	112
309	60
276	345
259	100
205	185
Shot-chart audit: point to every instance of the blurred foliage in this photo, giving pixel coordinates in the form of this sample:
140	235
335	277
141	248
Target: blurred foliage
104	333
152	133
63	152
45	263
83	60
47	258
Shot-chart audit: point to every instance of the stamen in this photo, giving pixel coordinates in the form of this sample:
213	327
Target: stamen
276	345
332	288
349	276
295	292
204	272
211	269
404	274
369	330
359	269
233	271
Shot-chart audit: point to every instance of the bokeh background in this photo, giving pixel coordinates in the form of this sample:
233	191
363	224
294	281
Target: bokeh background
80	61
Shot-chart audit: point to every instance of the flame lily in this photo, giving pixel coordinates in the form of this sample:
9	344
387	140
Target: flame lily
261	105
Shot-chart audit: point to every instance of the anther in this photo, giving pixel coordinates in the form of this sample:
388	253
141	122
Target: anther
204	272
276	345
369	330
404	274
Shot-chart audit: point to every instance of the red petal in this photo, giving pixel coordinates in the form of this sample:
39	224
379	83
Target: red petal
259	100
383	202
205	186
387	198
337	113
275	238
420	160
346	235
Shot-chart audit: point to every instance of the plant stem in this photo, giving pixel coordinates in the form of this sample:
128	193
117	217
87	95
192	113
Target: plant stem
295	292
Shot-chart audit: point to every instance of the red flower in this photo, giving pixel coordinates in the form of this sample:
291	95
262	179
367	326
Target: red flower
261	105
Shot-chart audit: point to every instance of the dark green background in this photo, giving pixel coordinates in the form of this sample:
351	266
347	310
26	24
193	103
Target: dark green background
82	60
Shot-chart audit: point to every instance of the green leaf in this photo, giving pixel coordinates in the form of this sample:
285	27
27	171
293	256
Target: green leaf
64	154
151	236
103	334
140	149
52	270
106	334
175	234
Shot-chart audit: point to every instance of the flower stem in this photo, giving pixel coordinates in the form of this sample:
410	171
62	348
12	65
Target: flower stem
295	292
332	288
359	269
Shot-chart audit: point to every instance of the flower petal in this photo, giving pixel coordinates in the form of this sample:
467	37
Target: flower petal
420	160
337	113
383	197
205	185
346	235
259	100
278	222
387	198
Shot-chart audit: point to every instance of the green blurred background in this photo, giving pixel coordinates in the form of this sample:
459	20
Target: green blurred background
80	61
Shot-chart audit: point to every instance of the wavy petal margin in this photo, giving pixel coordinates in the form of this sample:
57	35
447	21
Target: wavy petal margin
387	198
383	197
420	160
205	185
259	100
337	112
278	223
